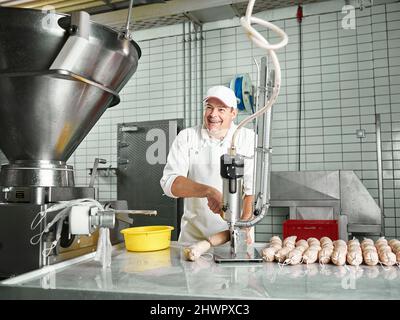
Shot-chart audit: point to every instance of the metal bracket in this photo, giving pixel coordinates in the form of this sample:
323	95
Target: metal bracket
263	150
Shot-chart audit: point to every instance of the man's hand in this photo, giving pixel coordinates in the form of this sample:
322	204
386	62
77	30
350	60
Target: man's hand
185	188
214	198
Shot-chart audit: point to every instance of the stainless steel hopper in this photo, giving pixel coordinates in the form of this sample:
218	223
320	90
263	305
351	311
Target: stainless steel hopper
57	77
58	74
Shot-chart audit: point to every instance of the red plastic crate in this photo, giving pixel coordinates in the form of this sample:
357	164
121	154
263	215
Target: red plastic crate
305	229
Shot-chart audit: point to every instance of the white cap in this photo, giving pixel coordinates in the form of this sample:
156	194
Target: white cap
224	94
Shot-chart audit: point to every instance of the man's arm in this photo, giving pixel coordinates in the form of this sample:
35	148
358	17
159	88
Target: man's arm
247	207
177	163
183	187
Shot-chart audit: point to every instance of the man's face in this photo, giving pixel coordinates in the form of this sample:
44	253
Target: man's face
218	117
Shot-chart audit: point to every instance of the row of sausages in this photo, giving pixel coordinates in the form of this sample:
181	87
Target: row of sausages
339	252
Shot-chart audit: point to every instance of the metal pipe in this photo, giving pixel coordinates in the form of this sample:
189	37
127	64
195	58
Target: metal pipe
256	121
196	71
43	260
255	220
263	150
256	93
300	92
267	138
380	172
184	72
234	239
232	201
259	164
128	19
190	73
94	170
201	71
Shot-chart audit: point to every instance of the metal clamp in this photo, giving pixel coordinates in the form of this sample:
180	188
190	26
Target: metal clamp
94	170
263	150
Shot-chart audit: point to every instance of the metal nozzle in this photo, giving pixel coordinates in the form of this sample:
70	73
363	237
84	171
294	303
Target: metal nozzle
103	219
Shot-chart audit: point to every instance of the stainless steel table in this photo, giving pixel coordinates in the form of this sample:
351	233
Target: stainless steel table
165	275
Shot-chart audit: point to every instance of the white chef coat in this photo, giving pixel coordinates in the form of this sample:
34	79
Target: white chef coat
195	155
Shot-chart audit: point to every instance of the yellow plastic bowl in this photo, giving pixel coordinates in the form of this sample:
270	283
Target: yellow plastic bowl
150	238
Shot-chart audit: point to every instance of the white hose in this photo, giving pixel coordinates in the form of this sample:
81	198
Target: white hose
261	42
63	206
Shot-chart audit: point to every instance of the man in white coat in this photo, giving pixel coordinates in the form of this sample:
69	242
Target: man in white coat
193	167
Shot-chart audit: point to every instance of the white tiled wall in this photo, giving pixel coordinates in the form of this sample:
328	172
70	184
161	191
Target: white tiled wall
348	77
155	92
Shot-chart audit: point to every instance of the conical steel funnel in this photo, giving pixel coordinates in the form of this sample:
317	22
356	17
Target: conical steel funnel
47	110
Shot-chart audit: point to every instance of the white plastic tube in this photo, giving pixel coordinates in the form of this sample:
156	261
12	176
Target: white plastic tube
261	42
